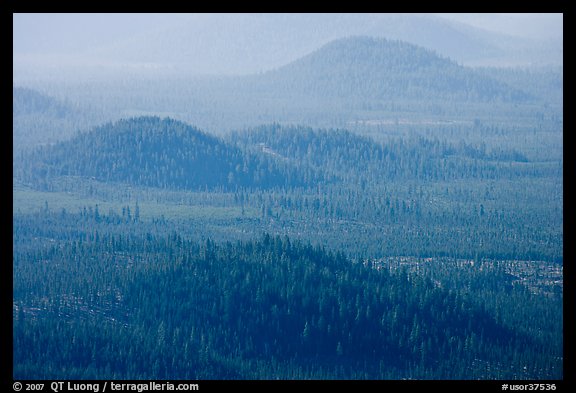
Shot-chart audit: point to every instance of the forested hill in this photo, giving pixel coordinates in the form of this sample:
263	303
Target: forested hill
156	152
28	101
38	118
346	155
384	69
166	153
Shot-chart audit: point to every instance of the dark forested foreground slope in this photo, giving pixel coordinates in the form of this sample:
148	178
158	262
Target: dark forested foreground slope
109	304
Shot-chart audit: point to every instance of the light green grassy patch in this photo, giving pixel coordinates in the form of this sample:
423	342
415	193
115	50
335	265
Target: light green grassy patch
27	200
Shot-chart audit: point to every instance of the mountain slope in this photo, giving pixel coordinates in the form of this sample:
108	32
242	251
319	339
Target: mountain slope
39	119
264	309
371	68
155	152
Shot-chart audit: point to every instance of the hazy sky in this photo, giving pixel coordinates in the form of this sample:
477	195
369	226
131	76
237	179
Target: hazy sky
66	33
520	24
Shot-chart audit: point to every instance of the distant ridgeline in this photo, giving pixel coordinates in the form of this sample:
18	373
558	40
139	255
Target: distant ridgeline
364	67
39	119
28	101
347	81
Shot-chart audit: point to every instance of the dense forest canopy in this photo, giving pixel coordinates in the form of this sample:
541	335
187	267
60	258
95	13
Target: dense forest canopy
269	308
